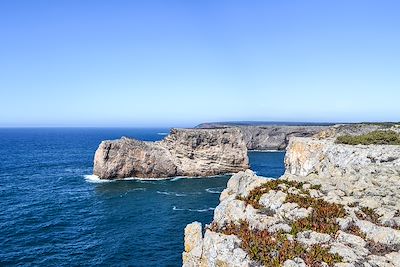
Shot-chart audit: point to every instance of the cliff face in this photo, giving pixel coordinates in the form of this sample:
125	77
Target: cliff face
325	158
275	137
336	205
185	152
270	137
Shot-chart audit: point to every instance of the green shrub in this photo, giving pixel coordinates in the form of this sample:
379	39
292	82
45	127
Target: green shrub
372	138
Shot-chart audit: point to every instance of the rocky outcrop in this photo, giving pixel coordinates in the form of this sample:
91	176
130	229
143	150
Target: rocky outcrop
325	158
336	205
185	152
270	137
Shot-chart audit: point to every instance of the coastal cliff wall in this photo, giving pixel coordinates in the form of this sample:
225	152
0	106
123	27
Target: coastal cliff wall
269	137
185	152
307	156
336	205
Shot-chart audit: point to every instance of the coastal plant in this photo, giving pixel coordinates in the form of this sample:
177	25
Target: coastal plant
273	249
369	215
372	138
315	186
255	194
322	217
355	230
381	249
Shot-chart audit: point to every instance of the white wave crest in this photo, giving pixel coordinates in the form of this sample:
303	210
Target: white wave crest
214	190
176	179
95	179
195	210
138	189
171	194
162	133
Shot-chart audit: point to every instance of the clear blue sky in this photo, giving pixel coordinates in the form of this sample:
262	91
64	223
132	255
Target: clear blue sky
179	63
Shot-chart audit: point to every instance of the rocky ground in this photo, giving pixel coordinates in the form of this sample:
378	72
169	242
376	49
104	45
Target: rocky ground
336	205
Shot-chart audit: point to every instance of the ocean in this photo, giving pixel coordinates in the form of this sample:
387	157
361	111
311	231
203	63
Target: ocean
53	213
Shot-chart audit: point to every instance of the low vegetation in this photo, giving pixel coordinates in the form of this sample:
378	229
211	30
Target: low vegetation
372	138
322	217
369	215
254	195
274	249
381	249
355	230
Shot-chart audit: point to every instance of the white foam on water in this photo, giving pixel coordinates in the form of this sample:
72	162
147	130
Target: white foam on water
171	194
176	179
195	210
162	133
95	179
163	193
213	190
138	189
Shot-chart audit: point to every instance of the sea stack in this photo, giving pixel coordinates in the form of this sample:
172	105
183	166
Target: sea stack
184	152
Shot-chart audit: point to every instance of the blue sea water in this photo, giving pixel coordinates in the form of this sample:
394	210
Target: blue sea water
53	214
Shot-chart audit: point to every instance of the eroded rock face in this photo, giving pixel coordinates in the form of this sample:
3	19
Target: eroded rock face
325	158
270	137
185	152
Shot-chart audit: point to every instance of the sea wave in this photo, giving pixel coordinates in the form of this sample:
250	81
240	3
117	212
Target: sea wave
176	179
214	190
171	194
138	189
95	179
162	133
195	210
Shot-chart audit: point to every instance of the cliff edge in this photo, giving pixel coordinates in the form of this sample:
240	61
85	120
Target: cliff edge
336	205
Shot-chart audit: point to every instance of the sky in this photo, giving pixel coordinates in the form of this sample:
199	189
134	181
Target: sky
180	63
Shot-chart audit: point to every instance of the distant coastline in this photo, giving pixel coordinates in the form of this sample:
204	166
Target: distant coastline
265	123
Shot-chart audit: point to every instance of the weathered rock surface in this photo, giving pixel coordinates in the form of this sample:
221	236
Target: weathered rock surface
185	152
364	180
325	158
276	137
270	137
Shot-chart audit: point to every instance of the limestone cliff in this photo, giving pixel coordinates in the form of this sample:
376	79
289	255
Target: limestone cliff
336	205
270	137
185	152
325	158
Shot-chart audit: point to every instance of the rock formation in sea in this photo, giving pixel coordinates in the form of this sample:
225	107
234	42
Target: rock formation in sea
336	205
184	152
268	137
